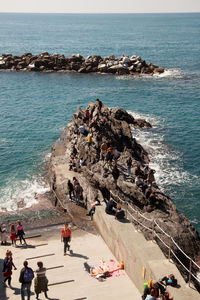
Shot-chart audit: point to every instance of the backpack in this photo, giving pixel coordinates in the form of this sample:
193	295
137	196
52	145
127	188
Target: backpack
28	275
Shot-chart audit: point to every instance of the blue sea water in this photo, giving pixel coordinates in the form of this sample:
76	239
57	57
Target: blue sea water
34	107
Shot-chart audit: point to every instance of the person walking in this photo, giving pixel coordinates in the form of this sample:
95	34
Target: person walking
66	237
7	267
20	232
25	278
41	281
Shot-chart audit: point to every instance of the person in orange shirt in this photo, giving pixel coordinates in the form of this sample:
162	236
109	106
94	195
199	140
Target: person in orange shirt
66	237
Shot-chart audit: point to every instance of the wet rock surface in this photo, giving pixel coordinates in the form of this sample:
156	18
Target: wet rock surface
113	127
45	62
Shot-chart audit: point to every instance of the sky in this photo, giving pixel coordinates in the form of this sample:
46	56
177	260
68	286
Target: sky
100	6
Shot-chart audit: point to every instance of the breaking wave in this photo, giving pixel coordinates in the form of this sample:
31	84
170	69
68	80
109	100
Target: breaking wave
20	194
164	159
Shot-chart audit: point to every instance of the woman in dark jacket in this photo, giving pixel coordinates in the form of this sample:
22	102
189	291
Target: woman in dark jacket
7	267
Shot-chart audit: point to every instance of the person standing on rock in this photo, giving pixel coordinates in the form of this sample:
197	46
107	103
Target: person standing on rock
115	174
78	191
70	188
66	237
25	278
129	165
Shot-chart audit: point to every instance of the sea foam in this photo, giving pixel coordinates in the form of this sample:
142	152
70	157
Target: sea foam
165	159
19	194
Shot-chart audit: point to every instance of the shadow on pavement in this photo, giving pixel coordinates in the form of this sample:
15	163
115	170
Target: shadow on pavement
77	255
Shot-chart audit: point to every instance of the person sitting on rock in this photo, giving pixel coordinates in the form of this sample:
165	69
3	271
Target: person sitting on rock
82	130
152	199
116	154
74	151
99	104
145	186
110	207
139	182
146	171
103	150
86	116
90	140
148	191
92	211
120	213
109	157
150	177
138	171
82	162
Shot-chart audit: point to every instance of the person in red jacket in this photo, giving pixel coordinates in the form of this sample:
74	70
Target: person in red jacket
66	237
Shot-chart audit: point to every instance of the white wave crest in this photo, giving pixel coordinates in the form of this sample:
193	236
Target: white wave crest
21	193
164	159
170	73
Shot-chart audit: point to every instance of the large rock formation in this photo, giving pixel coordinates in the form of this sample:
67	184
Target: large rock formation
114	126
46	62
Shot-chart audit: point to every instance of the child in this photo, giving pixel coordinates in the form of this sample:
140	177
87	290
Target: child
13	235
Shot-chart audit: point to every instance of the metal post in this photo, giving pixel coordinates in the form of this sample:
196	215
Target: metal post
190	270
137	219
153	230
169	253
126	210
169	250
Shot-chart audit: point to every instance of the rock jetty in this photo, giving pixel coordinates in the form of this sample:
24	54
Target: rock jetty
46	62
115	127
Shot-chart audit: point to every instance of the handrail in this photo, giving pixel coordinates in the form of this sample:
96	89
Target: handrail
58	199
152	230
162	229
171	239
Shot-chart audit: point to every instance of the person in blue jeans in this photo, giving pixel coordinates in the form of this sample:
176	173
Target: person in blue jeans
25	278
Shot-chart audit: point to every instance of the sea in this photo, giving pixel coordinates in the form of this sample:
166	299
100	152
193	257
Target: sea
35	107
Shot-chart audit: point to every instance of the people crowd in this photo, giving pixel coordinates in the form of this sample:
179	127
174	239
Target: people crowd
109	155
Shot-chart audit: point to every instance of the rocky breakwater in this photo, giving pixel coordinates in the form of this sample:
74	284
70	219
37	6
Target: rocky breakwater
46	62
115	127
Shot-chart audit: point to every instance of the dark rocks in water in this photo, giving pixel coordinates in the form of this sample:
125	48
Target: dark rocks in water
112	126
46	62
122	115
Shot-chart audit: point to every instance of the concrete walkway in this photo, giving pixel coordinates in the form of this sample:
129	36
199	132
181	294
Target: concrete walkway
86	247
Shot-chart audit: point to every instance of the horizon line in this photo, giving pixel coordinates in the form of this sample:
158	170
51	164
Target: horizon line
99	13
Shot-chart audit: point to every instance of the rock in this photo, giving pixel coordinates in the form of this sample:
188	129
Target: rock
113	126
159	70
57	62
126	60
